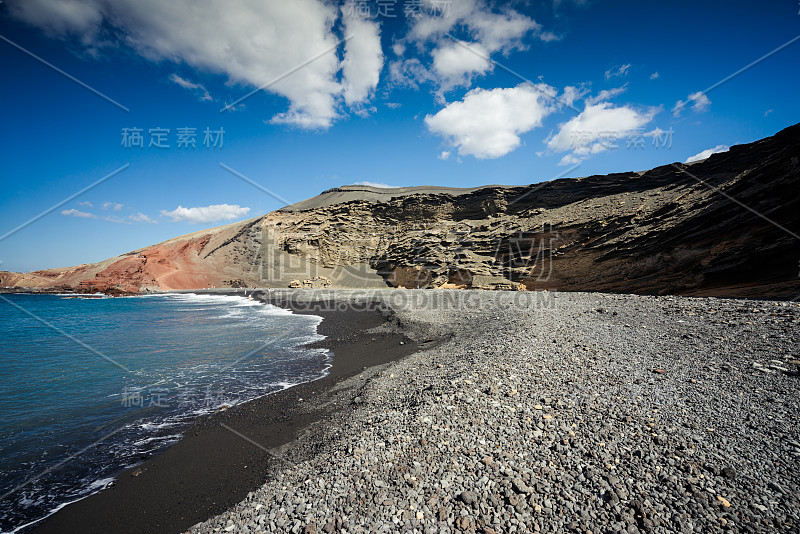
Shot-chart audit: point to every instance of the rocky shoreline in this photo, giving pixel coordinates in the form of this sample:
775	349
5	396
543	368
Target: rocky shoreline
223	456
552	412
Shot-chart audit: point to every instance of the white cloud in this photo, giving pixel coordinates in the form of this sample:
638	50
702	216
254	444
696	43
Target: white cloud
141	217
186	84
112	205
699	101
767	113
86	204
445	155
364	111
376	184
488	123
230	107
502	31
363	59
489	30
571	94
393	105
596	129
198	88
706	153
206	214
606	94
569	159
457	63
61	17
496	31
76	213
655	76
251	42
549	37
409	73
619	71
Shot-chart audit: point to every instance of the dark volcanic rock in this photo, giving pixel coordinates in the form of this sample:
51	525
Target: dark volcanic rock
724	226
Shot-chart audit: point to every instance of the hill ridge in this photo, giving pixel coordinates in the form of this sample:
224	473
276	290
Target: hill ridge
664	230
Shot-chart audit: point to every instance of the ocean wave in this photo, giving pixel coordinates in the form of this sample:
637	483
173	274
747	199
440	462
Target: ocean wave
285	363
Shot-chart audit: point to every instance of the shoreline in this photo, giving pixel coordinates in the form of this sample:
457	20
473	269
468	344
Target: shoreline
550	412
226	455
588	413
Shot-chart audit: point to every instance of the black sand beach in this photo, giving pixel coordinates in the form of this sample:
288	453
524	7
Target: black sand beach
225	455
531	412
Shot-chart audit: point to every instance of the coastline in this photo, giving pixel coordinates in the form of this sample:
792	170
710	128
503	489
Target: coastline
224	456
522	412
558	412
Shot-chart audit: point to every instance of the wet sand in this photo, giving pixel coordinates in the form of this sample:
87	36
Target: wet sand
224	456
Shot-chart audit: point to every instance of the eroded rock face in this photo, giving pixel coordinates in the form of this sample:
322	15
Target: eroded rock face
459	279
671	230
318	282
668	230
414	277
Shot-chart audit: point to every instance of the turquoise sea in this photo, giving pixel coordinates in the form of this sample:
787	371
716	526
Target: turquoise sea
89	387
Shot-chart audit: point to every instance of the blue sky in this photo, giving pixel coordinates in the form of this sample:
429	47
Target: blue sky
405	92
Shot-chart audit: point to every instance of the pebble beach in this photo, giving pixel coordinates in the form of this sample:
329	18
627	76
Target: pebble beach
551	412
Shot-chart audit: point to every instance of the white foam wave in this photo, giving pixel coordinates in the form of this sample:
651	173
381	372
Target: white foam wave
157	439
236	306
100	484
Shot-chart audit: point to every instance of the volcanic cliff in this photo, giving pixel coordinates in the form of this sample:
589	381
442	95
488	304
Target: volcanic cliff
724	226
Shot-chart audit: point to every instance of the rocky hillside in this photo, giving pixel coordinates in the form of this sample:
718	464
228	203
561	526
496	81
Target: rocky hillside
698	229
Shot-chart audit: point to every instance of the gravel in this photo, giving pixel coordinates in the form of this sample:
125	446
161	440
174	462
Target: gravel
553	412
